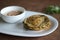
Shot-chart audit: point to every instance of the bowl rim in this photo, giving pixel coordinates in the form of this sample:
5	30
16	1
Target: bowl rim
13	6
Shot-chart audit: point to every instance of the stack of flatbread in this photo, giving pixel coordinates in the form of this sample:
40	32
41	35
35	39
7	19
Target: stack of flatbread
37	22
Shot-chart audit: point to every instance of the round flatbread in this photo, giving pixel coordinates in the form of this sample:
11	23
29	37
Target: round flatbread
37	22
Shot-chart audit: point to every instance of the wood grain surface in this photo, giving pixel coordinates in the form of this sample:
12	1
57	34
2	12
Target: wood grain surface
32	5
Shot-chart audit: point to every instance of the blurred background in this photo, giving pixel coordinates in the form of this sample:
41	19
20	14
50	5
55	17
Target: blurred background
33	5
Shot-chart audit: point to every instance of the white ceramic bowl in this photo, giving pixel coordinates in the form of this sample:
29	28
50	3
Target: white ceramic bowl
12	19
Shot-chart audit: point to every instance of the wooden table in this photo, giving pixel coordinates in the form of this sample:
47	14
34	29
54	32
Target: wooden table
33	5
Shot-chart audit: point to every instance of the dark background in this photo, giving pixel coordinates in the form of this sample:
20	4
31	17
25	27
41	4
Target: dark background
32	5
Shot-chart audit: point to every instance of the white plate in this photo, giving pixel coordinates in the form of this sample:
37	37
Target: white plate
17	29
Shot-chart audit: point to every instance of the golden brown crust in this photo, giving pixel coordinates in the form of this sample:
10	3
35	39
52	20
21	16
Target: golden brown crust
37	22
